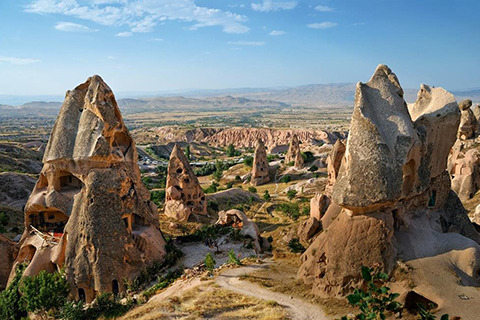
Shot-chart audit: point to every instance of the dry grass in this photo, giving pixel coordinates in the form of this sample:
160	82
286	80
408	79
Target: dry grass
208	301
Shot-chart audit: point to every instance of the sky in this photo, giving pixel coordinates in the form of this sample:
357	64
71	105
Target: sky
142	46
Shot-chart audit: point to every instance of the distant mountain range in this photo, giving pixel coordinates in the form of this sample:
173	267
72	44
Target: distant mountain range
314	95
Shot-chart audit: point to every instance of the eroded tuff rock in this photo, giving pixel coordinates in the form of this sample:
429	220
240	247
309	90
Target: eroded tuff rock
334	160
184	195
260	165
468	122
238	219
465	173
391	178
89	211
7	252
293	154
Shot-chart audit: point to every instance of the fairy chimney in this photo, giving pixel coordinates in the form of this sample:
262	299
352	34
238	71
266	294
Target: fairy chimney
184	194
89	212
293	154
260	165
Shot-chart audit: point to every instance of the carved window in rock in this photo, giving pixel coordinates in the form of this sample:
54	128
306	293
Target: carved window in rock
52	222
26	254
121	143
81	295
133	222
433	199
115	288
68	183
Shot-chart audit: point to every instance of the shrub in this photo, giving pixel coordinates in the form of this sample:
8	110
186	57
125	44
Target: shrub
313	168
212	205
231	152
272	157
238	178
212	188
295	246
158	197
209	262
291	210
266	196
291	194
44	292
306	211
187	152
252	189
308	156
290	164
233	259
377	300
163	282
248	161
10	307
229	185
285	179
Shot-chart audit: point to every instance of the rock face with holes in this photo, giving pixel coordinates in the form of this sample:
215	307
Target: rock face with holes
89	211
390	178
465	173
184	195
260	165
293	154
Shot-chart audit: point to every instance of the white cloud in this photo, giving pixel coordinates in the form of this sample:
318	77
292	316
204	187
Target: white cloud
322	25
14	60
72	27
156	39
323	8
247	43
277	33
125	34
142	15
270	5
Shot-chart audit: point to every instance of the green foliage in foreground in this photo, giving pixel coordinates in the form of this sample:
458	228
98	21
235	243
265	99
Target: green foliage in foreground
233	259
209	262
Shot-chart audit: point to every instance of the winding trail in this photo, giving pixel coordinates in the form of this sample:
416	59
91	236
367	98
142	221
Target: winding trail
297	308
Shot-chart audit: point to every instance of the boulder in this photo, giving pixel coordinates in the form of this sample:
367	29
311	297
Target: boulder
308	228
91	190
468	122
184	195
319	205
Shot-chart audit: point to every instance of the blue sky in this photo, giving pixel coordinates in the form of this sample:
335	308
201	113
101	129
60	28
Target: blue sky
139	46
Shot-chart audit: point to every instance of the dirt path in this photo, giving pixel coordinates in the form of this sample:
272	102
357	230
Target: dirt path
298	309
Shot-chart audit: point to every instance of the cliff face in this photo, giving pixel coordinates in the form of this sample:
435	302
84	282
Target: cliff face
89	211
391	185
244	137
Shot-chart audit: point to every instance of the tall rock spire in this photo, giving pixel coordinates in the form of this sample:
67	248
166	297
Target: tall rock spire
89	211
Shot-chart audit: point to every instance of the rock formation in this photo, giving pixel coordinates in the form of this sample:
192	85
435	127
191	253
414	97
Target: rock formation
334	160
468	122
184	195
89	212
260	165
7	252
392	187
238	219
293	154
465	173
239	137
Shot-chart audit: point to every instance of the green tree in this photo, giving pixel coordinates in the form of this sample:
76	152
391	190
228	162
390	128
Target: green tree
209	262
187	152
218	174
233	259
291	194
248	161
252	189
157	196
44	292
10	307
266	196
230	150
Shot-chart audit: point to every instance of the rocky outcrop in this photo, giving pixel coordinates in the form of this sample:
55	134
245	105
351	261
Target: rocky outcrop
260	165
89	212
392	177
293	154
7	252
240	137
468	122
318	205
334	160
184	195
239	220
465	173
